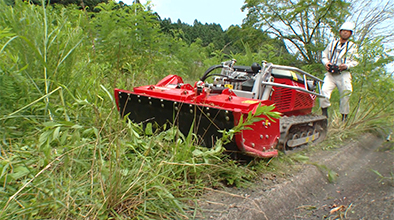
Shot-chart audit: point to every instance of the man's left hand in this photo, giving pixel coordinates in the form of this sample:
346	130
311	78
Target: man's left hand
342	67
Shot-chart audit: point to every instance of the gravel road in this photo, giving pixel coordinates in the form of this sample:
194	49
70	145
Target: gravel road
358	192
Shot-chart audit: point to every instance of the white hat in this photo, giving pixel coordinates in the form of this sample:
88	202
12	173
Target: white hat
349	26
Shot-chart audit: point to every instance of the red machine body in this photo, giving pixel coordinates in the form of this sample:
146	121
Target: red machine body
236	91
249	141
292	102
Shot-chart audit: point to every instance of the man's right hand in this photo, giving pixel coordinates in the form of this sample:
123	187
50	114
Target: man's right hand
328	66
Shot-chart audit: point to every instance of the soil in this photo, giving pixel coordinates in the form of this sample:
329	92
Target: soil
363	189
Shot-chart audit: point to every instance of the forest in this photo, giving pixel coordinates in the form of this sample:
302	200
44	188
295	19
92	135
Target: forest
65	153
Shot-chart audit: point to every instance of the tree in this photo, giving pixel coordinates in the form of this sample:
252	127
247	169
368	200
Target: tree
373	20
301	24
208	33
88	4
255	38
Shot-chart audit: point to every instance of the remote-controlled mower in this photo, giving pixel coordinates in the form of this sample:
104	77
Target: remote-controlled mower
218	101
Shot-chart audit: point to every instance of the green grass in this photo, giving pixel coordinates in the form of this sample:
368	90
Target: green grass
77	172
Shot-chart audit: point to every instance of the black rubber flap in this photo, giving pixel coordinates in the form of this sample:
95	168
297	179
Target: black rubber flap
207	120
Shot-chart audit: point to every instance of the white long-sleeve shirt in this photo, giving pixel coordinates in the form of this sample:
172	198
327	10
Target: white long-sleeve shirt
338	53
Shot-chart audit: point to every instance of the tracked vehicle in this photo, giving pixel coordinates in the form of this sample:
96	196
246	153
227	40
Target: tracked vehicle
207	107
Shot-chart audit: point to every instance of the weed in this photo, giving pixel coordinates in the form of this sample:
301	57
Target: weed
384	178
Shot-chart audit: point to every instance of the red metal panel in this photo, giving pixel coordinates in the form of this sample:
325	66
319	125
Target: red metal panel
290	101
261	139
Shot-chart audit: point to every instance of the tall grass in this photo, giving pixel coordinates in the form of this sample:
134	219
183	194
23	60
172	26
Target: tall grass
77	172
87	163
43	56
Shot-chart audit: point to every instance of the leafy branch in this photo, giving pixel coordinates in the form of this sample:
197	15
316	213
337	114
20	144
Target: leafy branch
253	117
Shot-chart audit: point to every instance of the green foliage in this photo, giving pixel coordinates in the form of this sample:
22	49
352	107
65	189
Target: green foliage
255	38
236	41
382	178
122	36
252	118
57	64
8	82
207	33
78	171
85	4
43	58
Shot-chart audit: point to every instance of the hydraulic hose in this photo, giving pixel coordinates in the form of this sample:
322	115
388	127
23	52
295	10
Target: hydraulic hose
210	69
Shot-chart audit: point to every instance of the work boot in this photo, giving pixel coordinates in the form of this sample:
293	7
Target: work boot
324	112
344	117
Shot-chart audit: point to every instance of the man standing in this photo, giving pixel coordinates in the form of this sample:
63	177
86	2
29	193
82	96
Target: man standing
338	58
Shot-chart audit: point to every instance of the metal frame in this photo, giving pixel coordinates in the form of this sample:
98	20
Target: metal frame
264	75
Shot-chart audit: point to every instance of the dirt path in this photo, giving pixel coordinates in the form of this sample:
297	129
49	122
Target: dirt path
358	192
